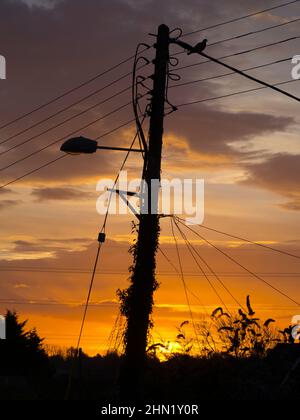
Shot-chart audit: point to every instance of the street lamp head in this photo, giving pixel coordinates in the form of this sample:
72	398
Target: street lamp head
78	145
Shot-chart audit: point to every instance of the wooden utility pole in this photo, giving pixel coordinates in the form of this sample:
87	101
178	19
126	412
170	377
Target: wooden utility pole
138	299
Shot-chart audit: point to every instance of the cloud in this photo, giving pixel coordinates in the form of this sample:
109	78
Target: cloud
279	174
291	205
62	193
21	286
66	240
54	48
44	4
4	204
49	247
210	130
5	191
22	246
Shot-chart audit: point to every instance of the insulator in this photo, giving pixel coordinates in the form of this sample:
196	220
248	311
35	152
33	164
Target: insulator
101	237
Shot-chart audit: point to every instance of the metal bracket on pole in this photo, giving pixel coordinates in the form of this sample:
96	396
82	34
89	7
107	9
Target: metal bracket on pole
182	44
123	195
122	149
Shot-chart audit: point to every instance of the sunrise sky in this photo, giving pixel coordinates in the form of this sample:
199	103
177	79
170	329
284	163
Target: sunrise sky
245	147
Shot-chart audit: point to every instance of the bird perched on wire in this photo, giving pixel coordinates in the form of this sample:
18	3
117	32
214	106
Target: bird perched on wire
198	48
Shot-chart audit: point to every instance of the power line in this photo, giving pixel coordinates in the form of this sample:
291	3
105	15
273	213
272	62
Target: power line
89	294
68	107
70	90
75	304
83	320
65	121
62	110
232	94
67	135
191	50
254	32
231	73
245	34
57	113
33	171
203	272
160	273
241	52
282	41
189	245
46	303
209	267
178	106
60	157
240	265
248	240
121	168
248	76
208	99
188	289
168	259
239	18
184	284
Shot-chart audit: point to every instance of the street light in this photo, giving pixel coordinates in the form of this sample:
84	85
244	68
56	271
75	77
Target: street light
79	145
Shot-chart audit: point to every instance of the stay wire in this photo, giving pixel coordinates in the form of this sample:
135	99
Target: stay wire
252	78
94	272
188	289
242	266
121	168
189	245
184	285
281	251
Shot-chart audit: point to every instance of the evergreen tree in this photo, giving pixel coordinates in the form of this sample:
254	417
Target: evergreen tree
22	352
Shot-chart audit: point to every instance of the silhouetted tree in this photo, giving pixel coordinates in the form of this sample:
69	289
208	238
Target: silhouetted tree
22	352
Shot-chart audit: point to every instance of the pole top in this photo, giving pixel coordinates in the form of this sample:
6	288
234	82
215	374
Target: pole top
164	28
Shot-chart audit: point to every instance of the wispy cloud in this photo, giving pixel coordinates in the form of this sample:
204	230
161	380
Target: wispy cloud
280	174
5	204
43	4
61	194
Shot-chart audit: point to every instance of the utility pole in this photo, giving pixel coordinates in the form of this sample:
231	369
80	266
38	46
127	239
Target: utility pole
138	298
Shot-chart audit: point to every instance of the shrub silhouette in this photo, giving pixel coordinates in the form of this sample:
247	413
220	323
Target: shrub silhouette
239	335
235	364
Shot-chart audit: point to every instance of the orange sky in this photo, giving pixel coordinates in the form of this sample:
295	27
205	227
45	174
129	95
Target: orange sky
246	148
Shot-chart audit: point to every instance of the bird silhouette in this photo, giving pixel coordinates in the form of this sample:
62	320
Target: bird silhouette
198	48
